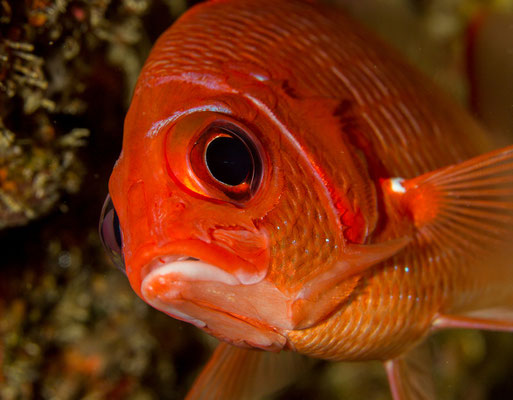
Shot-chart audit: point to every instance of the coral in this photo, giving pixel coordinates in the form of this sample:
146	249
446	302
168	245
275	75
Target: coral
46	49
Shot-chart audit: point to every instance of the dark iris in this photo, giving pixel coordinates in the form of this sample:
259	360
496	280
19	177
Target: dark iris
229	160
110	234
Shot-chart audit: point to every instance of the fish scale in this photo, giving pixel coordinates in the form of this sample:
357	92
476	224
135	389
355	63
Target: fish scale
304	233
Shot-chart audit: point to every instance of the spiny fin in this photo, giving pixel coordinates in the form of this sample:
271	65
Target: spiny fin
409	375
468	206
493	319
233	373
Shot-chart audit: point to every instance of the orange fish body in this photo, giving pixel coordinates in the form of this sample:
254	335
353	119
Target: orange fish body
327	234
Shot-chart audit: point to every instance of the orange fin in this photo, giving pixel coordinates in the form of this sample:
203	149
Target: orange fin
490	319
409	375
233	373
356	259
468	206
322	294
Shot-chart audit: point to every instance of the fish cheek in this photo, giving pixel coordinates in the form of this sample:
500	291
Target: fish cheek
304	237
136	230
306	246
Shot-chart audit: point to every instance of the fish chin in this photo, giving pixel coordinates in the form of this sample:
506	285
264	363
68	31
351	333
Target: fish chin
217	301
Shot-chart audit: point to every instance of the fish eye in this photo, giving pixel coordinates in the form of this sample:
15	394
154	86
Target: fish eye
217	157
229	160
110	234
225	158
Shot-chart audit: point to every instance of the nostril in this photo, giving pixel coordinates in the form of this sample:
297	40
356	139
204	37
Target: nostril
179	206
167	210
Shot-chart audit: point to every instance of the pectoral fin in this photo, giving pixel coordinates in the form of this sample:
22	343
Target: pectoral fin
467	207
234	373
410	375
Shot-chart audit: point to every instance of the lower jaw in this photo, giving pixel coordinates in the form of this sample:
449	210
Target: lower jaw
212	299
222	325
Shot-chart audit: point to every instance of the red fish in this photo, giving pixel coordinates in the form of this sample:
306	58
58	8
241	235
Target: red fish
288	183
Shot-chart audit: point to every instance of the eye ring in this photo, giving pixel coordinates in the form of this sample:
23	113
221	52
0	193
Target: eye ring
187	145
110	234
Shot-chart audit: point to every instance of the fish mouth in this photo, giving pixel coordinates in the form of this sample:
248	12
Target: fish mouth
210	298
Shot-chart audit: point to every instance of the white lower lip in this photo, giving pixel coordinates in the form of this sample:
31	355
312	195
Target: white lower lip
192	270
182	269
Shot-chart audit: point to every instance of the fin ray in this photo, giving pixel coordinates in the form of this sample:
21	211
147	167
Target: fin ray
480	163
409	375
478	182
234	373
492	320
461	176
475	213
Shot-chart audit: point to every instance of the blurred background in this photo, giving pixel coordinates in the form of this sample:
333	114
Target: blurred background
70	326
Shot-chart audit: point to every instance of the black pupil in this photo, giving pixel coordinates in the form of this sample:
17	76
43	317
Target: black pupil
229	160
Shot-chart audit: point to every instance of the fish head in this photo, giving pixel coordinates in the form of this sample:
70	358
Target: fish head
235	214
225	219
